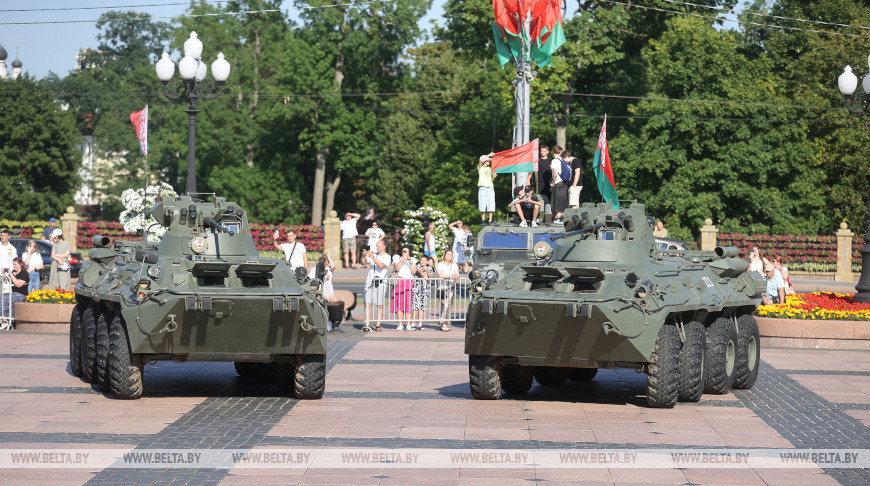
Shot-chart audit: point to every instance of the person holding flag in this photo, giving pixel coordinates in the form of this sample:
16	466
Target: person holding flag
603	170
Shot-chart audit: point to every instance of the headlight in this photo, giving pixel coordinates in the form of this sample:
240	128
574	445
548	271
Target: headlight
474	275
154	272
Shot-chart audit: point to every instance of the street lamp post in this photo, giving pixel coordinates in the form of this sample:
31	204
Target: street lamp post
193	85
859	104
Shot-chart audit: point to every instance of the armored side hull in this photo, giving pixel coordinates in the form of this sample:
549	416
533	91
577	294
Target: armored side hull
203	294
602	296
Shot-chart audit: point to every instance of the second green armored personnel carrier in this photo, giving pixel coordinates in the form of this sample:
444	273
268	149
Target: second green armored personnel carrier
202	294
601	295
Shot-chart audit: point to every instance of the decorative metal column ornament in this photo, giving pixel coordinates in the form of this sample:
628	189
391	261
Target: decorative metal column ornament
193	85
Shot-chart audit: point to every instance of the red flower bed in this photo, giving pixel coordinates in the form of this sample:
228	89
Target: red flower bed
791	248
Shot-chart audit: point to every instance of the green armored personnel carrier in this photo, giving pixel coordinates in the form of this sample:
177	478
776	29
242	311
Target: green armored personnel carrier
602	296
202	294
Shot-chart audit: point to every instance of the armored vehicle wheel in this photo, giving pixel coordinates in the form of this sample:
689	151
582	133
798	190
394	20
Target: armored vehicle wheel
483	378
105	317
748	352
125	377
310	377
75	341
662	386
721	356
692	362
516	379
551	375
582	374
244	369
88	345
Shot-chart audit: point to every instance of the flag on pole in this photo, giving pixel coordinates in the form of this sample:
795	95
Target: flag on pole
140	123
603	169
518	159
541	40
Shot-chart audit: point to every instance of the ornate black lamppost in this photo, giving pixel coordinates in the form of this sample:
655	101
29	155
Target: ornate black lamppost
194	86
859	103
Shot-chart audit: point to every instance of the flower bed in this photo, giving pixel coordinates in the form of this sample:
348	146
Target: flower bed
818	306
47	296
798	252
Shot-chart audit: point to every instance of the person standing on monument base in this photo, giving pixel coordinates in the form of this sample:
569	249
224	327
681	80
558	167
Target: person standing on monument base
545	174
559	186
485	189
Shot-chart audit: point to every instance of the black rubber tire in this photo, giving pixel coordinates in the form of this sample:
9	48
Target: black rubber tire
663	379
721	357
244	369
516	379
582	374
125	378
692	362
88	343
310	377
484	378
75	341
748	353
101	341
551	375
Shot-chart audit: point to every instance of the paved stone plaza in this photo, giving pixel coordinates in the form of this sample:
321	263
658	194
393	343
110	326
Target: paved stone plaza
409	391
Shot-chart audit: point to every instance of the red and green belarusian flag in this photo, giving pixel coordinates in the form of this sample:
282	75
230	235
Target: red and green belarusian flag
603	169
546	29
518	159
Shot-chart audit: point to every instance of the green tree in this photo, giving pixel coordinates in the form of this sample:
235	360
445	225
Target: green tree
38	156
742	163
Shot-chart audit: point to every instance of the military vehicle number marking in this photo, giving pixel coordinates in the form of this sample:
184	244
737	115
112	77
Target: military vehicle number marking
707	282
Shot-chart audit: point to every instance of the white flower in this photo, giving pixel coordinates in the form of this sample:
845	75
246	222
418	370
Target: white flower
137	203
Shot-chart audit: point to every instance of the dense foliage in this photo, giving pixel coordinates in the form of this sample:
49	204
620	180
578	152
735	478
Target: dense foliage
351	106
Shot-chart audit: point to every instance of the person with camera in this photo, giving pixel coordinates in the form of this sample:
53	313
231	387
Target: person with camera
448	272
528	206
400	304
60	251
460	242
422	290
33	261
18	276
348	238
376	288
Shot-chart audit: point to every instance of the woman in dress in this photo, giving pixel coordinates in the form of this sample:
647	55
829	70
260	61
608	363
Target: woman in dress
422	290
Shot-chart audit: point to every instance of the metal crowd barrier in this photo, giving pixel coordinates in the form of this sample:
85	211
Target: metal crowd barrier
442	300
7	307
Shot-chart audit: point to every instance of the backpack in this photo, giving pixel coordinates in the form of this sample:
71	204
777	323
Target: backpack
565	173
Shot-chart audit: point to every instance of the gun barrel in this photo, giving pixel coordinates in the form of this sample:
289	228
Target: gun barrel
214	224
577	232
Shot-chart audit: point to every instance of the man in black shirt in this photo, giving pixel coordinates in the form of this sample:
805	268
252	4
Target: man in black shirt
545	175
575	185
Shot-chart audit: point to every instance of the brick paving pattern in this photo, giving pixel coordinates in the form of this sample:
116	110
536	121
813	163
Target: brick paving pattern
407	391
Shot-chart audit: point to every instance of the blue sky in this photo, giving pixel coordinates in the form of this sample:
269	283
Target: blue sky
53	47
